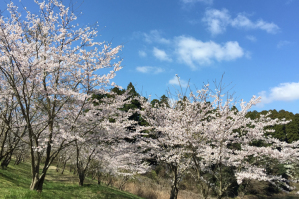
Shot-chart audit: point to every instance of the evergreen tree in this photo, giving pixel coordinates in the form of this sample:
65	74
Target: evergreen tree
164	100
155	101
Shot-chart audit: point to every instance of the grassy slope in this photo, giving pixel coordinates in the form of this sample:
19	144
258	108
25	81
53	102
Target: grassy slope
15	182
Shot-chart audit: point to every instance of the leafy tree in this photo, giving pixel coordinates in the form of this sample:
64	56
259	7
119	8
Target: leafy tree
164	100
155	101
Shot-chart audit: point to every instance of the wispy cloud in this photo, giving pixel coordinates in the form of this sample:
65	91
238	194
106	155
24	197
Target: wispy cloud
195	52
241	21
149	69
283	43
194	1
284	92
218	20
155	36
177	82
161	55
251	38
141	53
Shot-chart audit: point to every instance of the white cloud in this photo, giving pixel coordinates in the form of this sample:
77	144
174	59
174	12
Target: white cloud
194	1
195	52
268	27
218	20
251	38
142	53
155	36
175	81
283	43
149	69
283	92
161	54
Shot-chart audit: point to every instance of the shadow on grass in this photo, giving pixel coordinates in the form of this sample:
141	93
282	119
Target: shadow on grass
10	176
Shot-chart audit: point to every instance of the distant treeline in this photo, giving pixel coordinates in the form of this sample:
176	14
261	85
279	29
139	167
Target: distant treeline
288	132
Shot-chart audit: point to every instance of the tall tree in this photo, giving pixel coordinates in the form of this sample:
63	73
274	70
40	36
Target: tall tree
50	67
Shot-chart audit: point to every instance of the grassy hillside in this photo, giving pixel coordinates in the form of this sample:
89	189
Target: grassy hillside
15	182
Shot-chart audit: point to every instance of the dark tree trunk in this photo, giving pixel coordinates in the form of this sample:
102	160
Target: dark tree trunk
81	178
6	161
38	180
63	167
174	192
110	181
99	176
123	182
38	183
57	167
75	171
175	183
19	159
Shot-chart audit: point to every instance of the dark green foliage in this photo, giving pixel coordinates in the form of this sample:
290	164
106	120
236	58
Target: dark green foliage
154	101
234	108
132	92
275	168
252	115
163	100
135	104
118	91
288	132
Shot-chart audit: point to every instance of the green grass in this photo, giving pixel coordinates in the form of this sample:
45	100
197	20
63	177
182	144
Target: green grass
15	182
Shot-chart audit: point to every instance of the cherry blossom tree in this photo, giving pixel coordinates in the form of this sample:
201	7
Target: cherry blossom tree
208	137
11	131
228	143
165	140
106	138
50	66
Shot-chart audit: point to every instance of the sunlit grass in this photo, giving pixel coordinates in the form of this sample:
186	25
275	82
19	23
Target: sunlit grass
15	182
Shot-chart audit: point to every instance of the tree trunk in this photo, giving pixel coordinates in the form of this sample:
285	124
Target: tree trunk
38	182
175	184
123	182
19	159
205	188
99	178
6	161
57	167
81	177
174	192
63	167
110	181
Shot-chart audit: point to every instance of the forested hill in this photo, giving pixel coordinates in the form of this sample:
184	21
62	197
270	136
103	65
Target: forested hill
288	132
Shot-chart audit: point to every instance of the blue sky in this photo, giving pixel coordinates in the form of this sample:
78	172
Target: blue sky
255	43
